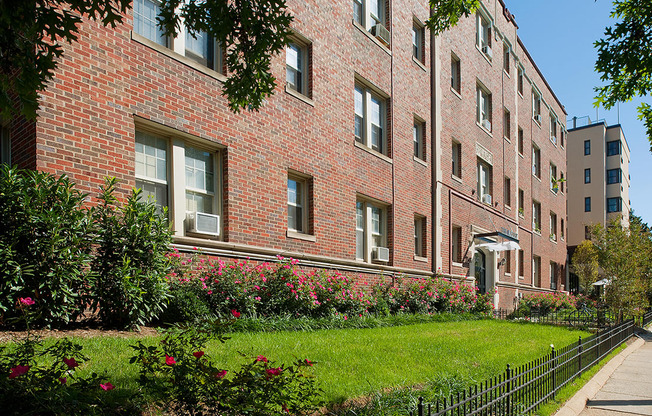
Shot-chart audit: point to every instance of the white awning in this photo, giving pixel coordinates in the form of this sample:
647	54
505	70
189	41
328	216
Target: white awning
603	282
504	246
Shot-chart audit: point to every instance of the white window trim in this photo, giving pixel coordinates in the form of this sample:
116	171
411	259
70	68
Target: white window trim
305	203
484	188
484	20
369	93
420	126
419	228
368	205
483	96
366	19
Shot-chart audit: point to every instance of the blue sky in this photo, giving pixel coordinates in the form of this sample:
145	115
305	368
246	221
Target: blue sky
559	35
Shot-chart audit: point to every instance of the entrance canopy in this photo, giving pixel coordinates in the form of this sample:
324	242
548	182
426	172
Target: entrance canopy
503	246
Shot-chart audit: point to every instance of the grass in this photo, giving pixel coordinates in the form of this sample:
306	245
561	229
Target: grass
359	362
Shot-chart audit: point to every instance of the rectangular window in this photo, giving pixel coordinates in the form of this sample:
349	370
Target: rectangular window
614	204
371	232
520	81
507	124
614	176
418	42
297	67
456	244
521	202
419	139
508	192
369	13
553	128
587	204
613	148
483	34
506	60
536	216
5	146
587	147
456	74
562	230
521	140
554	185
457	159
200	181
370	119
298	204
484	182
508	261
483	107
553	275
553	226
536	161
145	24
152	168
536	271
563	136
521	263
420	236
562	181
587	175
536	106
202	48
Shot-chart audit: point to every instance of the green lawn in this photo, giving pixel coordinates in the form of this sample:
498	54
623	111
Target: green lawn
356	362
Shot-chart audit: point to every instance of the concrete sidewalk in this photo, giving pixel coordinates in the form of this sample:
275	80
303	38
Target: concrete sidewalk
622	387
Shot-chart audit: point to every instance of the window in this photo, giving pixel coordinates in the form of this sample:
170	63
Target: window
521	264
297	67
536	216
613	148
562	180
419	236
483	34
506	53
484	182
536	106
299	190
587	204
521	140
456	244
507	124
562	230
553	128
456	74
483	107
457	159
553	226
536	161
508	192
554	185
165	167
371	230
563	136
587	147
418	136
202	48
520	81
536	271
5	146
418	43
370	119
553	275
369	13
614	204
587	175
521	202
145	24
508	262
614	176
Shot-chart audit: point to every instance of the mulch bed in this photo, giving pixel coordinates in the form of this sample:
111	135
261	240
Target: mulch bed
81	332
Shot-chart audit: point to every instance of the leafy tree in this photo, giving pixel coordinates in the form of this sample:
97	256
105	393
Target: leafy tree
625	58
32	33
585	264
446	13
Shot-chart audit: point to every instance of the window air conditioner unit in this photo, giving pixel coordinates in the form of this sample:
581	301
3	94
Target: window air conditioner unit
201	223
486	49
486	198
381	32
537	118
486	124
380	254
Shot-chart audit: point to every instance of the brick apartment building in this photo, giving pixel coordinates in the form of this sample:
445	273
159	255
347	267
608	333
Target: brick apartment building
348	164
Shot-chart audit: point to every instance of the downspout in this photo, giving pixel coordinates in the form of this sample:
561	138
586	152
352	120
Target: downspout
434	159
393	140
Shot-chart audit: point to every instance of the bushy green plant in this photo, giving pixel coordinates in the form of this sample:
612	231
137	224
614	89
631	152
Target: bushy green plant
130	262
545	303
45	244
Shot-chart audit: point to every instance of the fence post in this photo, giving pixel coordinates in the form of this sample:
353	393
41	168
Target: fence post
420	407
508	387
554	372
579	357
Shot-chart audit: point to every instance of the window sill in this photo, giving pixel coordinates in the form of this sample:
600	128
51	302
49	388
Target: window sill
508	274
457	93
484	55
420	161
456	264
509	207
373	152
521	215
301	236
520	94
179	58
521	155
419	63
537	232
483	129
536	122
457	178
420	259
508	139
507	73
299	96
536	177
372	37
553	241
521	278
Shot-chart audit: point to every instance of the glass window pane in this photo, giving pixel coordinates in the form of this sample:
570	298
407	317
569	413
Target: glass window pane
199	202
199	170
145	24
201	48
151	157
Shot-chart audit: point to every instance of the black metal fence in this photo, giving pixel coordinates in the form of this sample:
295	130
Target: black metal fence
590	318
523	389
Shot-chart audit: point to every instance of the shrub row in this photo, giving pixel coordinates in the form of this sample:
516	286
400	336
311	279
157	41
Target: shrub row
547	302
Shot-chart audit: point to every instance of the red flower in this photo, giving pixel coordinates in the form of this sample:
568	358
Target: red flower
63	380
26	301
271	372
108	386
235	313
169	360
220	374
198	354
308	363
71	363
19	370
261	358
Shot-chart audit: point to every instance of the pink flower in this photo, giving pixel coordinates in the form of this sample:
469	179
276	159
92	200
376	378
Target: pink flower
261	358
271	372
108	386
235	313
198	354
169	360
220	374
26	301
19	370
309	363
63	380
71	363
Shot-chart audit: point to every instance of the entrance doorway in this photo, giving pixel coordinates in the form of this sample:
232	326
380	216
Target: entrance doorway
480	263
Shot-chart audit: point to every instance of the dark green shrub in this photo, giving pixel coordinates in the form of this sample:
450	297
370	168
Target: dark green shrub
186	304
44	244
130	261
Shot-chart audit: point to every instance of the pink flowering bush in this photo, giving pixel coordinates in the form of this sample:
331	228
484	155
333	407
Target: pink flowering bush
547	302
